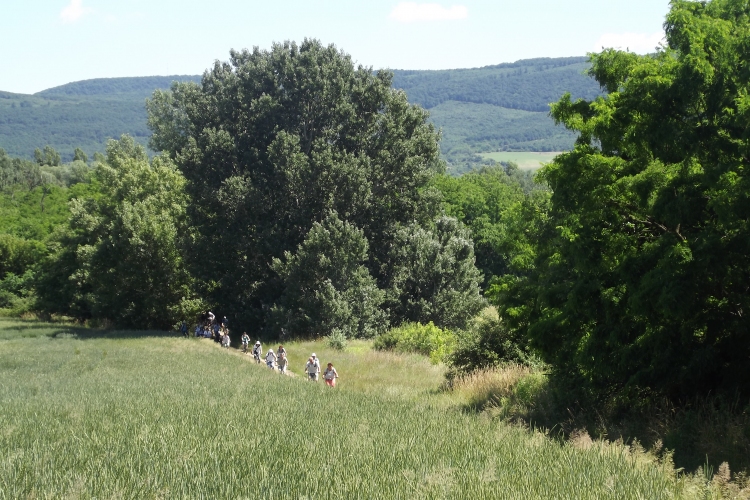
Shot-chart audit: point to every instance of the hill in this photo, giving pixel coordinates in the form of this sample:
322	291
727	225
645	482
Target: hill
493	108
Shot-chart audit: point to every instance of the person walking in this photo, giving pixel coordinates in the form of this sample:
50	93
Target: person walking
330	375
257	351
283	362
271	359
225	340
312	367
245	341
280	351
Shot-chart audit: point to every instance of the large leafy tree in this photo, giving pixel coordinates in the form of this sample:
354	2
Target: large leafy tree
273	141
642	282
119	257
434	276
327	288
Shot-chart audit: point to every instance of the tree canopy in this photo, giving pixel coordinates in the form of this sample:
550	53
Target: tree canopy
642	276
272	142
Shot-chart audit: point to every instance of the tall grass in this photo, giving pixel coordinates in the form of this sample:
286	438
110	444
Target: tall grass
112	414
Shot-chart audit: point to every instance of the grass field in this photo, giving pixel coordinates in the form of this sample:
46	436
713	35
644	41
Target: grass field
108	414
525	159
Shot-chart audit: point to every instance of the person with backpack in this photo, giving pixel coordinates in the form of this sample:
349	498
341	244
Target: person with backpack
283	362
330	375
312	368
271	359
245	341
184	329
280	351
225	340
257	351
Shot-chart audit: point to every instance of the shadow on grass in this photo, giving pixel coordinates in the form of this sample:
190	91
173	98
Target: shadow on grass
13	328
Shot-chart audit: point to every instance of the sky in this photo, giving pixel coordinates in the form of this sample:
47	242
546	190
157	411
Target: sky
46	43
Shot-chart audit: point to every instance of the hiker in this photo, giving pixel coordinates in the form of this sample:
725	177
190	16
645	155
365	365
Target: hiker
316	362
225	340
283	362
224	322
280	351
312	367
245	341
210	317
270	359
184	328
257	351
217	332
330	375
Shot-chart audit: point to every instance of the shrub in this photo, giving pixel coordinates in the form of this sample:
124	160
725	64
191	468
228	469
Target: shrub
489	343
337	339
415	337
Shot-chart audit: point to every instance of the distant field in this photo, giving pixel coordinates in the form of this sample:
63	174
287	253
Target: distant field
525	160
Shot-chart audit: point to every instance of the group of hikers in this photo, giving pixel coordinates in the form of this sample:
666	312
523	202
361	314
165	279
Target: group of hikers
208	327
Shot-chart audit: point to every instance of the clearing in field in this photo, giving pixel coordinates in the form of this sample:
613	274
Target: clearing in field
141	414
527	160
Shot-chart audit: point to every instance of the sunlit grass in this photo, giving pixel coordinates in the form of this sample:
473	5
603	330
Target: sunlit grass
144	414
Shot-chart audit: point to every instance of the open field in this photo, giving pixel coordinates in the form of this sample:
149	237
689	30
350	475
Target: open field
108	414
526	160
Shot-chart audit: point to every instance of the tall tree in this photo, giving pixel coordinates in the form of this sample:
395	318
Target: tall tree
642	281
120	257
327	288
273	141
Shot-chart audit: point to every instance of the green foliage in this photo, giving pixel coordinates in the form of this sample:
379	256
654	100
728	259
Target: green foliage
18	254
337	340
433	276
48	157
272	142
496	203
487	343
328	291
119	258
415	337
639	286
17	292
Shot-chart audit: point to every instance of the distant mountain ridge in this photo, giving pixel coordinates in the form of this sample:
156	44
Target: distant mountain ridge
493	108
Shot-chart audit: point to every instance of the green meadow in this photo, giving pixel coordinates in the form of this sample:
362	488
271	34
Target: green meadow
128	414
527	160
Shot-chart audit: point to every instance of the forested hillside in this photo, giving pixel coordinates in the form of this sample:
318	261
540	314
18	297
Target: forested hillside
78	115
495	108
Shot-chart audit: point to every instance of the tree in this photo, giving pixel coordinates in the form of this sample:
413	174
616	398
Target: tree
642	277
47	157
79	155
120	256
273	141
327	287
433	275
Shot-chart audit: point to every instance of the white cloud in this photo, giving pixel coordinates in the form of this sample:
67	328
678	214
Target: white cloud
640	43
408	12
73	12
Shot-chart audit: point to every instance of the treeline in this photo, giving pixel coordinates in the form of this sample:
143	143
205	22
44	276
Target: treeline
529	85
503	107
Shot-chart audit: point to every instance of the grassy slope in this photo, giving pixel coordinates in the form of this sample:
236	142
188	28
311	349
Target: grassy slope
143	414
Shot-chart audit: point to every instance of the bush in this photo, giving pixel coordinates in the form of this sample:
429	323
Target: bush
423	339
337	339
489	343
